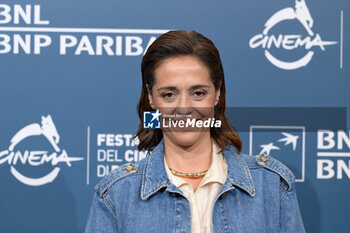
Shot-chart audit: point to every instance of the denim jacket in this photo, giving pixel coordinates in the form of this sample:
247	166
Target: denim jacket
258	196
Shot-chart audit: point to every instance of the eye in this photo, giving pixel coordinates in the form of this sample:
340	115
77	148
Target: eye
168	96
199	94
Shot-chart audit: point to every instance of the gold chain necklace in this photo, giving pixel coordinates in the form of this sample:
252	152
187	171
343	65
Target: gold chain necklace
188	175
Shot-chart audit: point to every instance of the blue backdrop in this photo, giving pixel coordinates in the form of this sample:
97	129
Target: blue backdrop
70	80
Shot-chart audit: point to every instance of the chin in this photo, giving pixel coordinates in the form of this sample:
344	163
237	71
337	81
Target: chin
186	138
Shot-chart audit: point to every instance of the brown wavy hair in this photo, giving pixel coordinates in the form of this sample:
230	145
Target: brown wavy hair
183	43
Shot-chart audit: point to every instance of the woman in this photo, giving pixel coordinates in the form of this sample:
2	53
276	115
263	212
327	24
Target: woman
195	179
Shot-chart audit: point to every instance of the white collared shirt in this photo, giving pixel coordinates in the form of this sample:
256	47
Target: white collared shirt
202	201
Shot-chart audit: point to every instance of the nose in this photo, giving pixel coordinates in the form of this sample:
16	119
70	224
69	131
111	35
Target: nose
184	105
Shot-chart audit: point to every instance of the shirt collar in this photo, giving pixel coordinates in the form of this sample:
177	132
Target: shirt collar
155	176
218	168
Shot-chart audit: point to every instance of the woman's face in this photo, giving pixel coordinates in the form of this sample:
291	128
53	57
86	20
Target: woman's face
183	89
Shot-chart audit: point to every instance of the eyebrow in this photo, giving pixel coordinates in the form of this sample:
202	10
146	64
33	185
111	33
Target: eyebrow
172	88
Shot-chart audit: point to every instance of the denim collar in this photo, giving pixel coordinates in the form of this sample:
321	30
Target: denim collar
155	177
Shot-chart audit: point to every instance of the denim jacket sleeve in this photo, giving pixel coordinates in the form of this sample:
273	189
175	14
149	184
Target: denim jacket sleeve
290	217
101	217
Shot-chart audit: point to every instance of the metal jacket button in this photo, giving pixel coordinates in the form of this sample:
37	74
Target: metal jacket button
264	159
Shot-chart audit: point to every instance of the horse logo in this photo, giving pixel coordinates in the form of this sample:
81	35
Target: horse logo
47	129
301	13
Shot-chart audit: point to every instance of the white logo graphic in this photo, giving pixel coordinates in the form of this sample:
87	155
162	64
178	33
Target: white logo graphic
268	147
285	143
36	158
290	42
156	115
151	120
289	138
151	117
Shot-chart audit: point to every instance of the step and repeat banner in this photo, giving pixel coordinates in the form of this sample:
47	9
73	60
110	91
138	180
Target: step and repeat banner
70	81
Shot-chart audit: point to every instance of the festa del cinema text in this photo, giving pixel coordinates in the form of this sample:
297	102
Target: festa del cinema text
25	36
110	157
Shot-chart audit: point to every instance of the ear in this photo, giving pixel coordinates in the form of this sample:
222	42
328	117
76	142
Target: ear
217	95
150	98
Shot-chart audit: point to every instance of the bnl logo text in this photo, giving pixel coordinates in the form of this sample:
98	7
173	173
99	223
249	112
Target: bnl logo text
151	119
333	148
